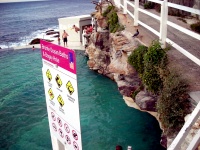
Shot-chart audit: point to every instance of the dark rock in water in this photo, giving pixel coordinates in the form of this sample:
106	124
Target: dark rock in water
49	31
53	32
37	41
56	36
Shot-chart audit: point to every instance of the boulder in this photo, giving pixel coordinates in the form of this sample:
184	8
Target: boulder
35	41
52	32
146	101
49	31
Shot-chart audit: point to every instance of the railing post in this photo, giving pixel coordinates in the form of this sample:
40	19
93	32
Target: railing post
125	7
136	13
163	23
185	129
117	3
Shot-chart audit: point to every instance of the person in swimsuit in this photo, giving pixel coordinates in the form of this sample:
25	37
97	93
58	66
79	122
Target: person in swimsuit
64	36
75	28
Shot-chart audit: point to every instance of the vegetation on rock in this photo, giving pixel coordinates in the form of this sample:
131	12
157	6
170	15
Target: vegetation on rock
172	105
112	19
154	61
136	59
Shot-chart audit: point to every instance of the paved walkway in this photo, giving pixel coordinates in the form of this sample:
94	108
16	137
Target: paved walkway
184	66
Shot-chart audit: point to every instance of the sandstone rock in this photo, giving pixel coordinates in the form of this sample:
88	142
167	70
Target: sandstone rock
126	90
91	63
146	101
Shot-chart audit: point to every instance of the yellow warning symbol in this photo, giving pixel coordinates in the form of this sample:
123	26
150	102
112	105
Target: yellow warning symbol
58	81
60	100
70	87
51	95
48	74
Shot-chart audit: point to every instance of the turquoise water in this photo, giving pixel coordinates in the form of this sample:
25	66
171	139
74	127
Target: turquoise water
105	119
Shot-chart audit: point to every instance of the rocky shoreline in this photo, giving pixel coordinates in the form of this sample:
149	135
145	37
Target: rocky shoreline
108	54
54	33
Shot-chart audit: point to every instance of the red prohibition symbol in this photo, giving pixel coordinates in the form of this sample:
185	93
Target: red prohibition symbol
59	122
61	133
75	145
66	128
53	116
54	126
75	135
68	139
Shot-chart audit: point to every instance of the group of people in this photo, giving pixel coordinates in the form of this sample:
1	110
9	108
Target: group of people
65	35
86	31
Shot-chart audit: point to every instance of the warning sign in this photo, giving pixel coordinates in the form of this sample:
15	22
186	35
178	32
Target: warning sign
59	122
68	139
54	126
75	135
58	81
61	91
66	128
53	116
60	101
75	145
70	87
48	74
61	133
51	94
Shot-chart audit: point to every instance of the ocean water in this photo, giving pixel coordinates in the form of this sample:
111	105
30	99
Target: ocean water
105	118
23	21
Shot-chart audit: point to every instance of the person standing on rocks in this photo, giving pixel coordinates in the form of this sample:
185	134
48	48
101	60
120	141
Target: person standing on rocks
64	36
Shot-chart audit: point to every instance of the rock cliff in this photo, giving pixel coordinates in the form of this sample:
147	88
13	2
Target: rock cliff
108	54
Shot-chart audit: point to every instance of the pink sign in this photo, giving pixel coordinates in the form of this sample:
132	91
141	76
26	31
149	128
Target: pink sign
58	55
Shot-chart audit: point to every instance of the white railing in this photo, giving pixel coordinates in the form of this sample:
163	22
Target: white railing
176	144
162	34
164	22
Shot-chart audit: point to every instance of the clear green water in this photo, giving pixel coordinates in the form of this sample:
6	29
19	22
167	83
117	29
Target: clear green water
105	119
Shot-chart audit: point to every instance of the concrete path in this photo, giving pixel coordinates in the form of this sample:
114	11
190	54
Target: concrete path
183	65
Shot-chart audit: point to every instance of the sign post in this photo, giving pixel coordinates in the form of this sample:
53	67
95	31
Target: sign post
60	84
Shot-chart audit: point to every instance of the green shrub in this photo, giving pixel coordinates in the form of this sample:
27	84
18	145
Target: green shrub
112	19
137	57
173	104
152	80
155	61
155	54
196	27
106	12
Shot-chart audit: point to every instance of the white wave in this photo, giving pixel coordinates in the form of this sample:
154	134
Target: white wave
11	1
23	41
